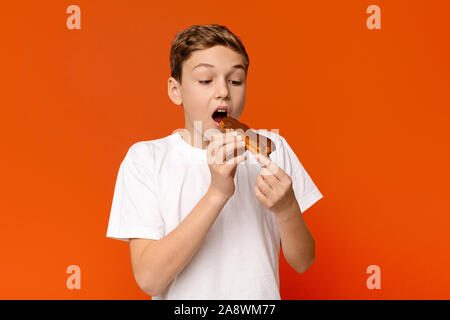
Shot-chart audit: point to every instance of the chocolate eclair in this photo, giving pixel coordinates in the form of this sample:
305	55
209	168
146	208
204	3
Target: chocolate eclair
254	142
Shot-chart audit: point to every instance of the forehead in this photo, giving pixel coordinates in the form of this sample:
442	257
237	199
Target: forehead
215	58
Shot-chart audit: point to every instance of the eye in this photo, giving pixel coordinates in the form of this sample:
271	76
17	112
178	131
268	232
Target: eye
236	83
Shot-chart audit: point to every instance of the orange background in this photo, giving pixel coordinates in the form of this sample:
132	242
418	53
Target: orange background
366	111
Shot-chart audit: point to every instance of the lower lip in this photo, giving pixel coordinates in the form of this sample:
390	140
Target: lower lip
216	123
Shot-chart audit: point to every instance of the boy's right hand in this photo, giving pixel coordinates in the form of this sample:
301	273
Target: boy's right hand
224	153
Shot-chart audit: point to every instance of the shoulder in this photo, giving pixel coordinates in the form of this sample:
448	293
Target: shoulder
147	152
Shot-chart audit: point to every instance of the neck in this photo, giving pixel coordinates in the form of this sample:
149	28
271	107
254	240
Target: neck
188	137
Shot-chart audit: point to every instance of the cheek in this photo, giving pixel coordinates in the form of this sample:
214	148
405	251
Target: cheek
198	105
195	96
238	92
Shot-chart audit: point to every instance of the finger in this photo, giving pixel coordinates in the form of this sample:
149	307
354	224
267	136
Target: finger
219	140
271	166
229	150
237	159
259	194
234	148
263	186
268	176
223	138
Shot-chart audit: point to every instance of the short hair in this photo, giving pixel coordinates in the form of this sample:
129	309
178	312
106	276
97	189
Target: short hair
200	37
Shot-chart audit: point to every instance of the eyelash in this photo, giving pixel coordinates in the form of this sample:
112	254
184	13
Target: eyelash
204	82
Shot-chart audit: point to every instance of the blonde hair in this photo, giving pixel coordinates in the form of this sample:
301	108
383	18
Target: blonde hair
200	37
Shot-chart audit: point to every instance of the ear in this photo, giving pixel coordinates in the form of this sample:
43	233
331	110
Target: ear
174	91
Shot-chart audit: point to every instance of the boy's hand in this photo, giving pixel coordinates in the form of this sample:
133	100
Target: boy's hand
224	153
274	186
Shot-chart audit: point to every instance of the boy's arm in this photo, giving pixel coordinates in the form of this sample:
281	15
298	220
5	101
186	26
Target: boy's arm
158	262
297	242
274	189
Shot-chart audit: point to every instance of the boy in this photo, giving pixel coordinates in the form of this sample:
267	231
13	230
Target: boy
202	222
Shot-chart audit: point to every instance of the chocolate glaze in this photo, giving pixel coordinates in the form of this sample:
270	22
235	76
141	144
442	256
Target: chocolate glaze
253	141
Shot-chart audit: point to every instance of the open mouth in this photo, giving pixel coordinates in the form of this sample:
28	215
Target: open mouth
218	115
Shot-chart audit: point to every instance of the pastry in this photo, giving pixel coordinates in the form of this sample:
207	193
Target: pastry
254	142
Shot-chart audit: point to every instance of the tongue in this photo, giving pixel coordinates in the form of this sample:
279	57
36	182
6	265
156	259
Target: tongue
219	117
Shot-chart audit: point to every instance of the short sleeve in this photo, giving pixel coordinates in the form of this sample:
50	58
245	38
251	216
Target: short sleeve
135	209
305	190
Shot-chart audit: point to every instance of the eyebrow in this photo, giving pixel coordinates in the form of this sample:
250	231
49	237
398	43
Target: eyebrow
236	66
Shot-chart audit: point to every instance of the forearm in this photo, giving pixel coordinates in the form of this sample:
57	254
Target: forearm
169	255
297	242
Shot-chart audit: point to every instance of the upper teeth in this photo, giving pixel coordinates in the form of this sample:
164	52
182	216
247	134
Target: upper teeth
221	110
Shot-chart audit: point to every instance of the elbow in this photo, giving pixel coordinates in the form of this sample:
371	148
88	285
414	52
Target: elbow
307	263
152	291
308	260
149	288
148	284
304	267
148	273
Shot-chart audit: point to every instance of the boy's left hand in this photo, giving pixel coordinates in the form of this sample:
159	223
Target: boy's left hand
274	186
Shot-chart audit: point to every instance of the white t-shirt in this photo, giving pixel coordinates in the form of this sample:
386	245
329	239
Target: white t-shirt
159	183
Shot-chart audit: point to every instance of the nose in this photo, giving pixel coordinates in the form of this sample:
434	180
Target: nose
222	91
